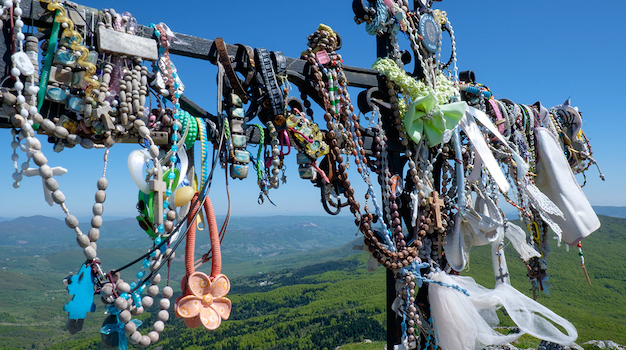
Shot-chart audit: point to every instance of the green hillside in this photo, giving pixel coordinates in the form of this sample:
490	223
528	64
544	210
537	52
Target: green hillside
293	302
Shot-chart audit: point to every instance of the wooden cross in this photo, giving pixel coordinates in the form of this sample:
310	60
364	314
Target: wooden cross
435	206
157	185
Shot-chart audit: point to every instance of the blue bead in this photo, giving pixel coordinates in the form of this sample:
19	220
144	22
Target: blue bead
133	284
174	147
176	85
161	228
175	127
142	288
165	205
158	240
173	159
168	192
171	176
164	216
177	94
174	74
145	262
125	295
140	275
177	105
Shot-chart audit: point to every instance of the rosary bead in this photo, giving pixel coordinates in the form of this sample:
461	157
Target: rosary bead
83	241
144	342
136	311
135	338
97	209
96	221
100	196
124	316
154	337
130	328
94	234
153	290
164	304
158	326
163	315
147	301
167	292
123	287
58	197
39	158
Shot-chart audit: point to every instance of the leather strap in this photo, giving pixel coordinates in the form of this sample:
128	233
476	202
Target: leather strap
496	110
244	63
224	59
274	93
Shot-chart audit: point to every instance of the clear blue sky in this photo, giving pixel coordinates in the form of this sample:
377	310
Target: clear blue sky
524	51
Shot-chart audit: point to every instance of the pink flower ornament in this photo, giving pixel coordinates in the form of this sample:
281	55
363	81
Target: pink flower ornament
207	304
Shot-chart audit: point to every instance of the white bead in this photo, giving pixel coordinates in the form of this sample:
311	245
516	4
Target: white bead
21	99
20	36
154	337
19	86
130	328
33	109
107	289
164	304
135	338
8	3
137	311
163	315
24	112
33	89
158	326
144	342
167	292
17	11
25	165
121	303
125	316
17	177
147	301
19	23
123	287
153	290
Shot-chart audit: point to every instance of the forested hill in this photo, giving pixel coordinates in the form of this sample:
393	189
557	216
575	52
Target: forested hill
316	305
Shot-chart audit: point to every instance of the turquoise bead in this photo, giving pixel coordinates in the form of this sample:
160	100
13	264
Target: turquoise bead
145	262
175	137
175	127
133	285
165	205
140	274
171	176
158	240
173	159
125	295
177	105
168	193
161	228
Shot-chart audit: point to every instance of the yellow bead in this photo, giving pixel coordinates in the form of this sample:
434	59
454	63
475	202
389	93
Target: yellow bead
183	196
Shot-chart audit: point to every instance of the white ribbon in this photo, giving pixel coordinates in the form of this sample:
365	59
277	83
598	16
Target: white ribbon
470	128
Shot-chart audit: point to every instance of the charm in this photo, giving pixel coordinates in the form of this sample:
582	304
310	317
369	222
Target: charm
81	286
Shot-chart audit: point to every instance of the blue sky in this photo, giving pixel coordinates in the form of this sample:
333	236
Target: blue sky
525	51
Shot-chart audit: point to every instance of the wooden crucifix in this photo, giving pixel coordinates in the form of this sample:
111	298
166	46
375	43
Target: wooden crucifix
436	204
